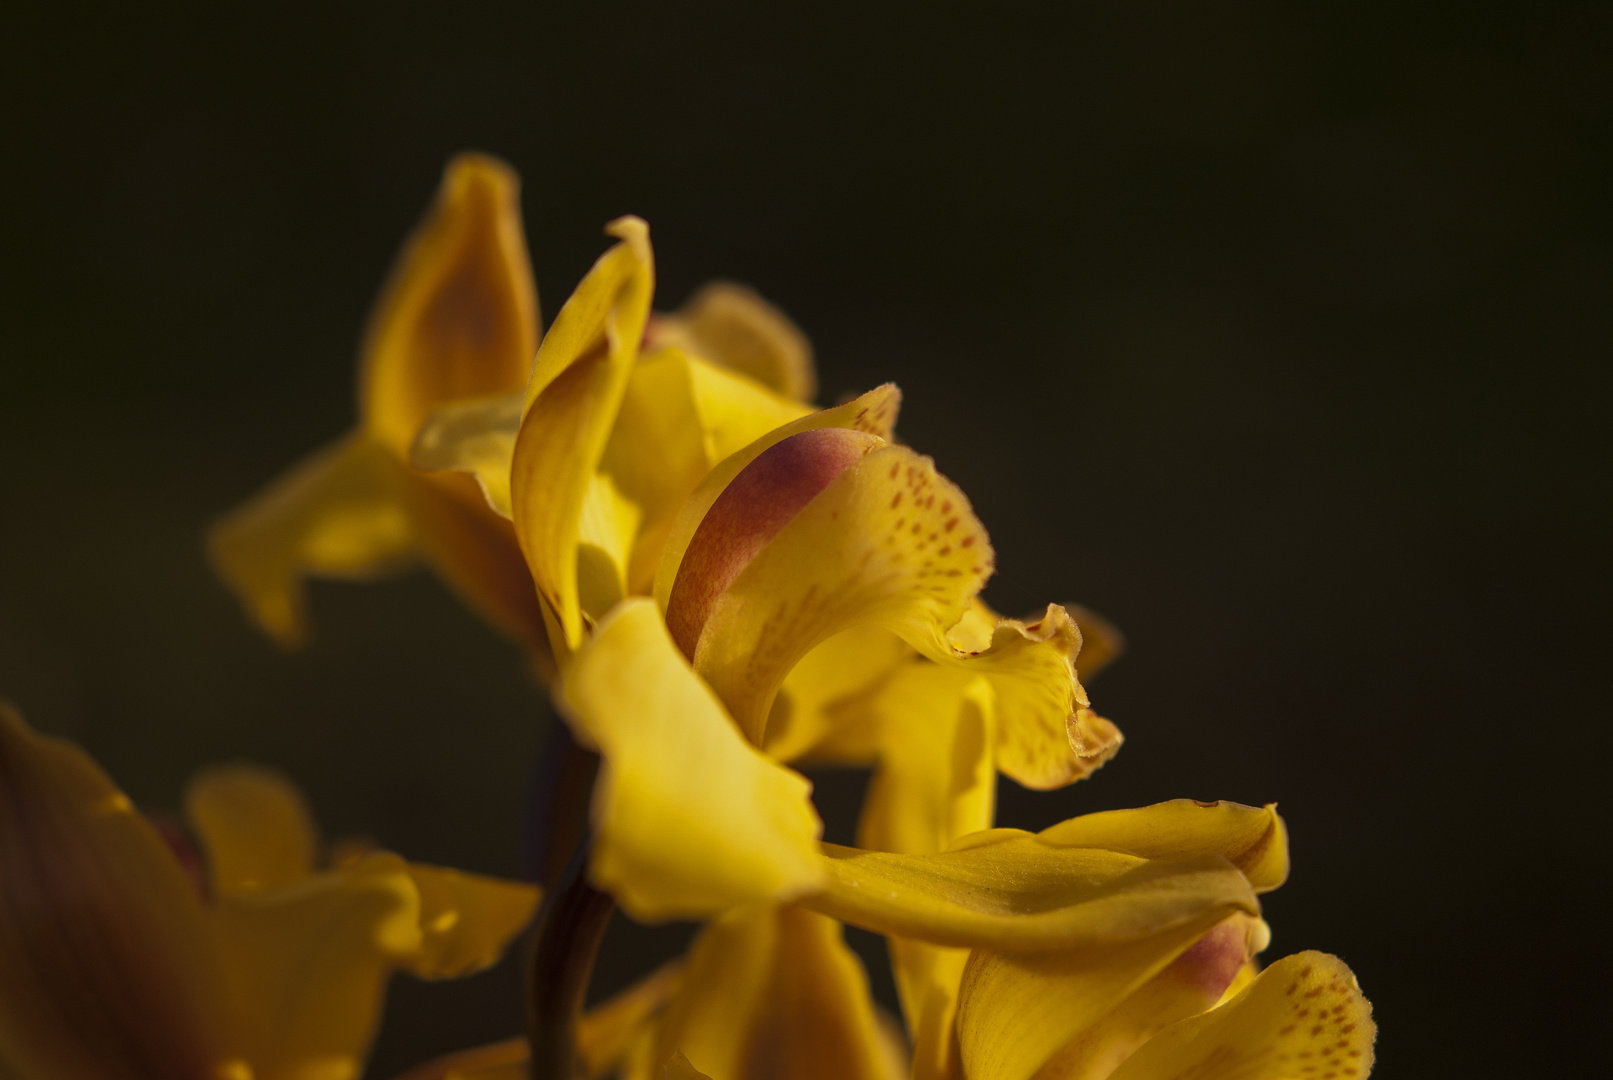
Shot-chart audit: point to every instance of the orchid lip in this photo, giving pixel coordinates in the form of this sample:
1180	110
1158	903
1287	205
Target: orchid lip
753	509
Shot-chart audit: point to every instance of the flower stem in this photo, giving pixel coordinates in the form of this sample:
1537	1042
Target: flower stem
571	924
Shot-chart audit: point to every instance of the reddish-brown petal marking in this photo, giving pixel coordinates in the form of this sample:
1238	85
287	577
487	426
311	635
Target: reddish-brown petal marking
751	511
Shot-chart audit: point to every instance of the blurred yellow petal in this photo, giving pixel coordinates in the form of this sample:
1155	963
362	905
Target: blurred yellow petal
307	965
1074	1016
1254	839
466	920
678	1068
340	513
873	413
254	827
606	529
476	552
604	1035
475	437
773	992
731	325
571	402
1006	890
458	318
607	1032
688	818
1303	1017
506	1060
108	970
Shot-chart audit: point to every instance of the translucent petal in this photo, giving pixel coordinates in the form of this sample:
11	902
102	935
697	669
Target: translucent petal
458	317
688	819
1304	1016
108	970
254	827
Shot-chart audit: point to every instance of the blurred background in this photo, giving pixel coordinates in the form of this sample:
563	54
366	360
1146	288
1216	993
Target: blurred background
1276	333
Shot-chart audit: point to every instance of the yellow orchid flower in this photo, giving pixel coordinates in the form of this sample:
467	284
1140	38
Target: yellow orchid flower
799	559
117	965
458	318
1117	945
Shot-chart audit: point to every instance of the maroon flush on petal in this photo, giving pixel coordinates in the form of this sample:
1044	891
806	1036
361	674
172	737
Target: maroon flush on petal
752	509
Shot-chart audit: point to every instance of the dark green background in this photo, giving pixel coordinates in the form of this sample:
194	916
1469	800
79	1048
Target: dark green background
1276	332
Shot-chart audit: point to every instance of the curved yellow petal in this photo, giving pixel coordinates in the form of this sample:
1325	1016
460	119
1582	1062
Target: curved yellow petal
458	317
340	513
731	325
108	971
773	992
254	827
466	920
688	819
1303	1017
1075	1016
874	413
1254	839
578	380
306	966
820	714
1011	893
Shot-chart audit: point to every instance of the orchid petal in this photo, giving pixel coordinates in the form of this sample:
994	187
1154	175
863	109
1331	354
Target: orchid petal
578	380
1304	1016
818	715
254	827
1074	1016
109	971
680	416
604	1035
340	513
731	325
774	992
1254	839
307	965
458	317
466	920
688	818
1010	891
874	413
